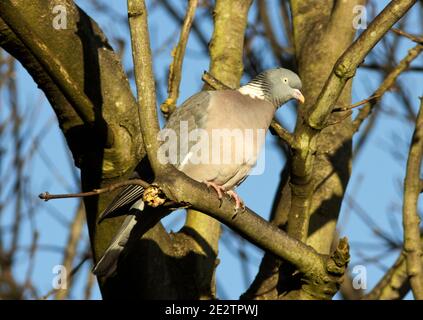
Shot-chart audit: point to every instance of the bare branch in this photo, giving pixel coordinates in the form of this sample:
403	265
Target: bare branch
54	68
411	219
393	285
47	196
214	83
347	64
175	68
282	133
75	231
175	15
70	276
416	39
387	83
357	104
144	79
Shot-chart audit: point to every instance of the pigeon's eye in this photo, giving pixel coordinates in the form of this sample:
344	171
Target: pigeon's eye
285	80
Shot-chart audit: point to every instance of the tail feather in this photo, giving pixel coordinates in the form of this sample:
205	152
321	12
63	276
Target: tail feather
127	196
107	265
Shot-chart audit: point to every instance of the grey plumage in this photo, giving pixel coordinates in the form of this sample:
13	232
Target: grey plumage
250	107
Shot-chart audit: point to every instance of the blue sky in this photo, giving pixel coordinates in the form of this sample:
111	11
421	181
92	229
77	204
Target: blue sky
375	183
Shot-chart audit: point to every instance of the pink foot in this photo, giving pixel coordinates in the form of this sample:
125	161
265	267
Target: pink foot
219	189
238	201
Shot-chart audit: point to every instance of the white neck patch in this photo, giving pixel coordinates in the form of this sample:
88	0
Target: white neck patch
252	91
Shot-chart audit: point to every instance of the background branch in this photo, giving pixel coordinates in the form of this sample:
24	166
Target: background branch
411	219
178	53
347	64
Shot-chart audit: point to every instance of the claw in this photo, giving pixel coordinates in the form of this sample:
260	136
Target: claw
239	203
219	190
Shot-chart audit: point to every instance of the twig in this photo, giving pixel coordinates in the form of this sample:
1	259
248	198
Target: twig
287	28
175	68
347	64
374	66
411	219
214	83
357	104
282	133
54	68
89	285
71	274
75	230
196	30
47	196
393	285
416	39
338	121
270	34
387	83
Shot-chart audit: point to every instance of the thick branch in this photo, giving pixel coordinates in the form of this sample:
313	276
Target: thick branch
144	79
226	63
83	51
265	235
182	190
411	219
227	43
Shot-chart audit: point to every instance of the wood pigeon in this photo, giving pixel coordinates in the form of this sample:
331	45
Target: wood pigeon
248	110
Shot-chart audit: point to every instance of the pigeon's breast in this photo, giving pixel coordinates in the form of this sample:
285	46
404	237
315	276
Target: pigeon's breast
229	141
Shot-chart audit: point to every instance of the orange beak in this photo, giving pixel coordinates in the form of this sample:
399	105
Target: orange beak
299	96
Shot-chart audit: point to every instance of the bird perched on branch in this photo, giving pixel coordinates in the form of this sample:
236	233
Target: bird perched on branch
215	137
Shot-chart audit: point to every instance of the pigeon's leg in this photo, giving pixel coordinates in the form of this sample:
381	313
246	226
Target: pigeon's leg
219	189
239	203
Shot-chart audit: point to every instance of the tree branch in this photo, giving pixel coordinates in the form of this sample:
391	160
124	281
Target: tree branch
54	68
265	235
282	133
47	196
226	62
175	69
416	39
227	43
387	83
394	285
175	15
411	219
347	64
144	79
83	51
74	237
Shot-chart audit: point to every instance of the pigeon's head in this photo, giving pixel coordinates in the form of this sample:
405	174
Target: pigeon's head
280	85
